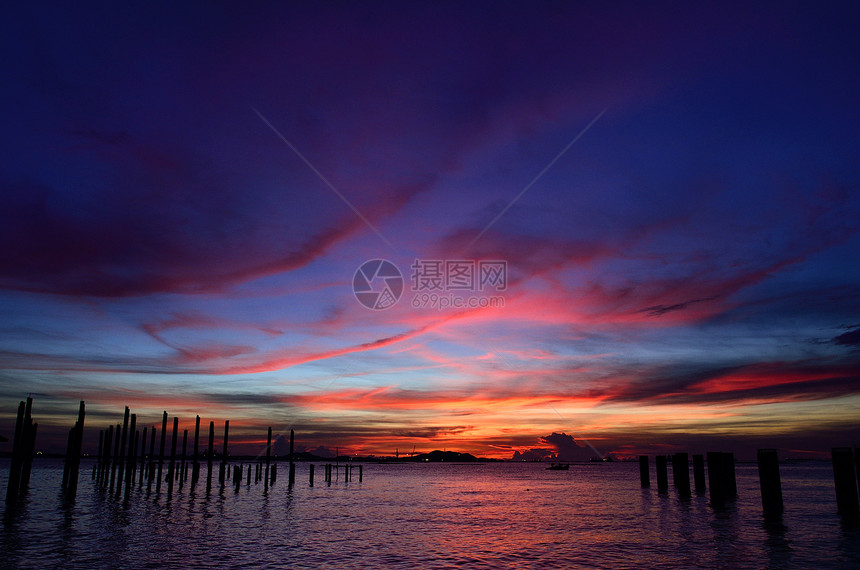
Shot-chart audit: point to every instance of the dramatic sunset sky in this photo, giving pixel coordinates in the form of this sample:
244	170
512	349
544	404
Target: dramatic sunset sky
186	195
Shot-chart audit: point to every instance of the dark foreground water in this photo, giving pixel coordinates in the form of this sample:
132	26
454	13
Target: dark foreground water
503	515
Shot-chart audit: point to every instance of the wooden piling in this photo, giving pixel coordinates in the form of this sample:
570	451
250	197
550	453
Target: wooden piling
237	476
14	483
644	472
151	469
274	474
721	477
249	475
195	469
121	456
769	481
224	453
142	456
662	473
360	473
311	476
161	452
113	466
681	473
171	470
73	455
268	456
29	446
845	481
699	473
130	455
209	457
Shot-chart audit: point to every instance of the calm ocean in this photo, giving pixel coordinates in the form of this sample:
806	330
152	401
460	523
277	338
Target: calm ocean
498	515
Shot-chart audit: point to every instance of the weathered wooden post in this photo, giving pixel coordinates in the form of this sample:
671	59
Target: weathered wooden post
209	458
73	457
662	473
699	473
161	452
644	472
360	473
150	471
845	481
681	473
237	476
249	475
195	469
311	476
171	469
268	455
721	477
130	455
224	453
142	456
771	486
14	483
29	446
121	456
114	464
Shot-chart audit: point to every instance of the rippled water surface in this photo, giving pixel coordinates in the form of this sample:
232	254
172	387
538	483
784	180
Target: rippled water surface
505	515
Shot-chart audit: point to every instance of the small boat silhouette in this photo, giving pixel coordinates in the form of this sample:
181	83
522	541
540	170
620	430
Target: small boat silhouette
559	466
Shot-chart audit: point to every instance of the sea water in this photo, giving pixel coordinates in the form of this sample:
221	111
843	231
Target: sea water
442	515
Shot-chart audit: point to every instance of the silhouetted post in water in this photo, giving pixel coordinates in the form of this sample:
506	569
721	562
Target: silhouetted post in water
644	472
132	462
29	446
845	480
130	455
662	473
268	455
360	473
142	456
161	452
768	477
183	473
274	476
121	456
292	476
224	454
113	464
681	473
311	477
249	475
171	470
14	483
195	469
209	458
73	457
237	476
721	477
699	473
151	469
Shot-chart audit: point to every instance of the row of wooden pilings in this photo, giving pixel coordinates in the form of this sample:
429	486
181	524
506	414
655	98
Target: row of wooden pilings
723	485
123	462
123	447
333	471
